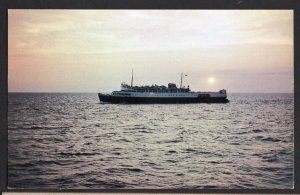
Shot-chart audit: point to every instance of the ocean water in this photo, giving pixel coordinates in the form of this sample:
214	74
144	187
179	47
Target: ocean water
71	141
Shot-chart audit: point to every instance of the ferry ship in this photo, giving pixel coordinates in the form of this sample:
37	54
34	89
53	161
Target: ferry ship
161	94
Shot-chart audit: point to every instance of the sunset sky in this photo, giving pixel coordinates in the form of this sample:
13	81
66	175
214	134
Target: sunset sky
95	50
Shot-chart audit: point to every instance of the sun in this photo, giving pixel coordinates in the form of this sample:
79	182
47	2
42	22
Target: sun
211	80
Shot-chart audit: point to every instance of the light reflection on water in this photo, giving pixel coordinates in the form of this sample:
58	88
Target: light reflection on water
73	141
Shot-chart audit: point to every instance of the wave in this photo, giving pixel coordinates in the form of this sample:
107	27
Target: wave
78	154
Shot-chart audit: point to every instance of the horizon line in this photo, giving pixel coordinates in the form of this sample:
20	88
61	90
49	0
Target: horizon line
109	92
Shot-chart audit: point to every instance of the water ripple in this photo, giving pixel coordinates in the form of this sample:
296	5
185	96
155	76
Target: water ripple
71	141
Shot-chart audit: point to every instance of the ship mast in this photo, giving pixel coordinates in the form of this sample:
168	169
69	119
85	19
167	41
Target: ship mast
180	81
131	77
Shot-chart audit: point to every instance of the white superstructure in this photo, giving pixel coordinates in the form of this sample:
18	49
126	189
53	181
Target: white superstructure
164	92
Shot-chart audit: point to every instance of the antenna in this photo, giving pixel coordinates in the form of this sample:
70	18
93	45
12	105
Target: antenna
131	77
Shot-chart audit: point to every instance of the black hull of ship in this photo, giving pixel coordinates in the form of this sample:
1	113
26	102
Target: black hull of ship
157	100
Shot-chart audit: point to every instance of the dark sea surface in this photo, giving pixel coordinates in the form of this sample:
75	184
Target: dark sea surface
71	141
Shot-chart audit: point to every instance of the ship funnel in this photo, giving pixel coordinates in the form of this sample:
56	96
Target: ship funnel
131	77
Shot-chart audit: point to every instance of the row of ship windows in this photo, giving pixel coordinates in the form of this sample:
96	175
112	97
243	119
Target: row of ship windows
172	95
158	91
178	95
154	94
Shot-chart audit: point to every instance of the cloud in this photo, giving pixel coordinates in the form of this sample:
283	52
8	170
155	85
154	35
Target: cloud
131	30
